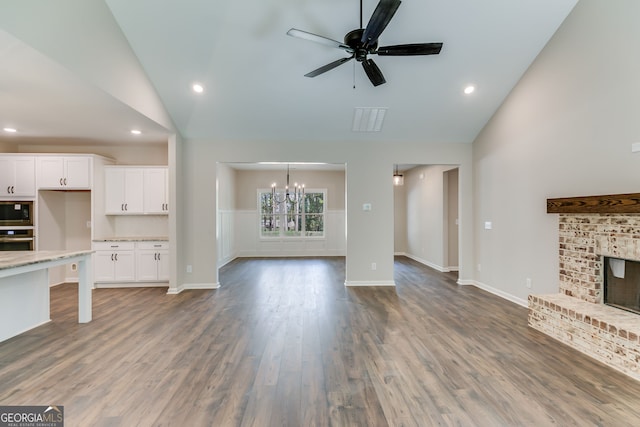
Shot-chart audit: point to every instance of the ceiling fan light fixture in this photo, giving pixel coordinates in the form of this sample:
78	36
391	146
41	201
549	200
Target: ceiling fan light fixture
368	119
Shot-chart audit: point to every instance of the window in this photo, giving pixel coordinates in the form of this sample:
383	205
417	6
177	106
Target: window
282	217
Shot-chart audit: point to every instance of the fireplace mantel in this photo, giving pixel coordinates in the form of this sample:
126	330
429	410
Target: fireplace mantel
616	204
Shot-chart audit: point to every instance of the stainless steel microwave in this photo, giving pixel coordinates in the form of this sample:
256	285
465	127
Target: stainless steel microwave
16	214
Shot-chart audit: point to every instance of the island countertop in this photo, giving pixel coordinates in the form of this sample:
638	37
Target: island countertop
12	259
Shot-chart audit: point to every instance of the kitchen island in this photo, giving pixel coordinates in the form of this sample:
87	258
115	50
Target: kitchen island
24	288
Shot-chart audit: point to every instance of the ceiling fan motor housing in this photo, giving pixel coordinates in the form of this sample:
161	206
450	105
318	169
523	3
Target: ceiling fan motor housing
353	39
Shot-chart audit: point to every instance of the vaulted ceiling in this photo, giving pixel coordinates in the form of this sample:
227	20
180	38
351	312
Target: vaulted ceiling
253	73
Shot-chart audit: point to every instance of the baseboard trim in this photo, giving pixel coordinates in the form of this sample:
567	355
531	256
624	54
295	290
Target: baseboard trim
437	267
192	286
498	292
356	283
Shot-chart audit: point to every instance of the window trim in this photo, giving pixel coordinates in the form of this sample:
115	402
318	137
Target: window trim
282	236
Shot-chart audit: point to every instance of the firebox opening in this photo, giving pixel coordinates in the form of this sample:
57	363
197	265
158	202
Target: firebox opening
622	284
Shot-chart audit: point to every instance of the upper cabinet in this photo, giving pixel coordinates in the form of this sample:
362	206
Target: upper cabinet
17	176
156	189
123	189
131	190
64	173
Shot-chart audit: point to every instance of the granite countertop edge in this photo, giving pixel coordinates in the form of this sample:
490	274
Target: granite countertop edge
133	239
12	259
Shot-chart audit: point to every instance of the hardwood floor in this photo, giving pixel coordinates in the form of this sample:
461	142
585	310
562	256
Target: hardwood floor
284	343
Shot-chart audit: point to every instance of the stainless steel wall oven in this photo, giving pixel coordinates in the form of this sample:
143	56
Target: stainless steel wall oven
16	226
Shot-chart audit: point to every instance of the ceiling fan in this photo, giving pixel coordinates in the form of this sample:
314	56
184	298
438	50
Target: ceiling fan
364	41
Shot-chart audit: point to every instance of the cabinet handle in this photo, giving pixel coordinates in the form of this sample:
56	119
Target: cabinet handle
155	257
9	190
158	257
122	207
116	257
12	187
65	181
61	182
125	206
111	257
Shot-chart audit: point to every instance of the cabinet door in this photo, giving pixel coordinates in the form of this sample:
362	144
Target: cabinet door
163	266
147	266
7	176
114	186
134	191
50	172
76	173
103	266
155	191
125	270
25	177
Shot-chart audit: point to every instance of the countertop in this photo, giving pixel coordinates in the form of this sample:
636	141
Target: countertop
133	239
11	259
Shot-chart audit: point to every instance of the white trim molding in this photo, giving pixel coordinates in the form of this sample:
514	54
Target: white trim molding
498	292
187	286
355	283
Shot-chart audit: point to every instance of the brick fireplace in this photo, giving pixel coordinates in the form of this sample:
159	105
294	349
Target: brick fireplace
590	229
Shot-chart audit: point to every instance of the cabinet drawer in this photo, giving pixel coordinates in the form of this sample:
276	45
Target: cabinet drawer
153	245
113	246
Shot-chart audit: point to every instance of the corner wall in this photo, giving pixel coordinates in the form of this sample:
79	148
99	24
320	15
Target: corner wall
565	130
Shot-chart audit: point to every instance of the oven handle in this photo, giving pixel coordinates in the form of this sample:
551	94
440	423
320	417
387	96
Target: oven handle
16	239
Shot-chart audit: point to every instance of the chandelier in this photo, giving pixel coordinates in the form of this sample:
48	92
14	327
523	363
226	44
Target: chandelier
293	196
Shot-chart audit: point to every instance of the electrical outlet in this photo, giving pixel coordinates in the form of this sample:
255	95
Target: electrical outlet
88	224
189	269
479	267
528	283
374	266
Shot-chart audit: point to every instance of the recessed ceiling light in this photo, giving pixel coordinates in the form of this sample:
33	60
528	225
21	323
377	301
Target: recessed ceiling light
469	89
198	88
10	130
135	131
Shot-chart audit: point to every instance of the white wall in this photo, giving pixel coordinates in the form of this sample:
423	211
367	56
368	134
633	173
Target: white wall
425	215
565	130
238	216
368	180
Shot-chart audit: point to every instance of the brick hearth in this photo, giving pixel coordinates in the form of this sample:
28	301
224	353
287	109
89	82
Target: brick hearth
576	315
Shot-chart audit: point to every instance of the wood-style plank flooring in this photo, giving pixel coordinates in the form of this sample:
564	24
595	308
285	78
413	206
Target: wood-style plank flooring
284	343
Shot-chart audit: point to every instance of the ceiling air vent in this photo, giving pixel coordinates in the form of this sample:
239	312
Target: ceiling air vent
368	119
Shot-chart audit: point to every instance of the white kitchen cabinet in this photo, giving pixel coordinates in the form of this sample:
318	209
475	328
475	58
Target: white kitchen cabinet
17	176
156	191
114	262
152	261
124	190
60	172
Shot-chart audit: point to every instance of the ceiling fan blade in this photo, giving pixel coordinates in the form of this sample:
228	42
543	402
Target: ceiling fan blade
318	39
379	20
373	72
328	67
410	49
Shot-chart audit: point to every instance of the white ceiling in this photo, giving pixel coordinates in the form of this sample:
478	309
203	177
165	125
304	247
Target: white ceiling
254	73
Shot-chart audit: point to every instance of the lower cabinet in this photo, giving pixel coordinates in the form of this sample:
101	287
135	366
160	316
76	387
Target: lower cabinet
130	263
152	260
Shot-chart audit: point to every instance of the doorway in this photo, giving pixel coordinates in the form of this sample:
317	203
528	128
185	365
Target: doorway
426	215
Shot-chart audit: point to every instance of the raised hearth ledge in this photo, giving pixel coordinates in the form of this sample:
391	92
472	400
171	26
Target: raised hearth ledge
607	334
616	203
